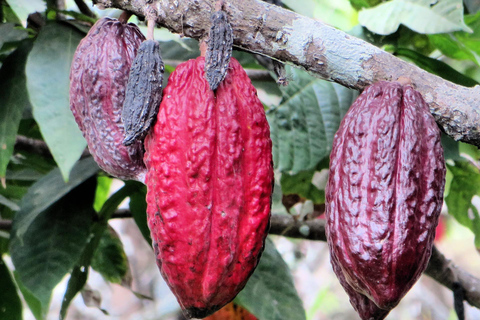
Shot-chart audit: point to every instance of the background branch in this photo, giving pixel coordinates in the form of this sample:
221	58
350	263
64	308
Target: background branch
439	268
322	50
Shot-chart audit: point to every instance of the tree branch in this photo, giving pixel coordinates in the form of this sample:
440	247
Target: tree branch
324	51
439	268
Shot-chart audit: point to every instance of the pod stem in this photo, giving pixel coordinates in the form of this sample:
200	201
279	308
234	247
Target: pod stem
150	29
124	16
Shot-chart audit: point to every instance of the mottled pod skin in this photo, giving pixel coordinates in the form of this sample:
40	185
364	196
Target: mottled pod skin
144	92
210	174
98	80
384	195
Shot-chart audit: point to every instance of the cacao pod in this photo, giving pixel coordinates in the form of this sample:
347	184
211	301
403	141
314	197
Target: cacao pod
209	181
98	79
144	92
384	193
232	311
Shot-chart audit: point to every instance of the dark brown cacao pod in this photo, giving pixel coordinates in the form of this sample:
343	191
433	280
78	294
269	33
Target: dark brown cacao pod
209	184
98	79
384	193
144	92
219	50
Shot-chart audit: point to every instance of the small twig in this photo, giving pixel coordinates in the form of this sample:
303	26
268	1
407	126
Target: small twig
39	147
82	6
439	268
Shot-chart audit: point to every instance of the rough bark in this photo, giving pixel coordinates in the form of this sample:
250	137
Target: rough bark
324	51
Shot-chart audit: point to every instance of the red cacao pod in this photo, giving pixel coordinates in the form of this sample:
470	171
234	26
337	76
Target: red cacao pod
384	193
209	184
98	80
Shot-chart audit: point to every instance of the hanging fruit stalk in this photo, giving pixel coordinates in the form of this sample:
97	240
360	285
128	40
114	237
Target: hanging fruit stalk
98	79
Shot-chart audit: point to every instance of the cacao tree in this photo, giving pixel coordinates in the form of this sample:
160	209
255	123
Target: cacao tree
309	60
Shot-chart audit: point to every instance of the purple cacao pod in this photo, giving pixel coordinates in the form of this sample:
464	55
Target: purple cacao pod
98	81
384	193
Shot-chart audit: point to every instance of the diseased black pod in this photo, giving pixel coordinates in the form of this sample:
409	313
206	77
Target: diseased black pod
144	92
219	50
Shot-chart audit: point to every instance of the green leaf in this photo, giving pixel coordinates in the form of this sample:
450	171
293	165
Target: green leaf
14	100
422	16
464	185
301	184
48	87
9	34
180	49
138	207
103	191
46	191
23	8
110	259
54	242
436	67
473	6
10	304
360	4
9	203
450	148
270	293
461	45
303	126
38	309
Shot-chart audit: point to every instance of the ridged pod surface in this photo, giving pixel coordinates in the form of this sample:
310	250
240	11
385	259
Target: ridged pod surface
209	179
384	194
98	80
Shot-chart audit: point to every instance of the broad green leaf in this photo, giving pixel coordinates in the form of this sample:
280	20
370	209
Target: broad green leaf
23	8
10	304
270	293
14	100
46	191
110	259
54	242
303	125
301	184
461	45
469	150
436	67
138	207
48	70
38	309
464	185
103	191
422	16
9	36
